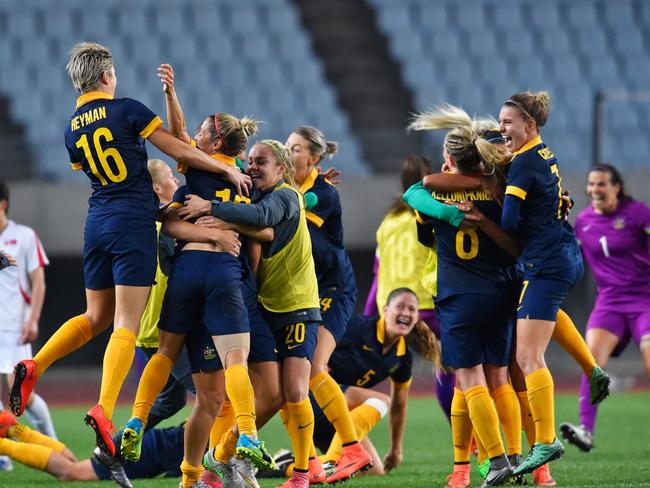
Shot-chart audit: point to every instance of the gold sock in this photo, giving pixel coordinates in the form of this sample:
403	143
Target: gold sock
191	474
302	425
22	433
461	427
364	418
69	337
527	422
242	398
509	414
226	447
539	384
312	450
117	363
484	419
31	455
482	454
153	379
331	399
567	336
222	424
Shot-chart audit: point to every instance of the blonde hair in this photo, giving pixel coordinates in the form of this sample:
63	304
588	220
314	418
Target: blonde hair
318	145
87	62
464	140
155	167
282	156
533	106
233	133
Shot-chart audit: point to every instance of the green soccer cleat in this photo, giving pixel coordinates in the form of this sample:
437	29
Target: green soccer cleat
483	468
539	455
598	385
256	451
131	444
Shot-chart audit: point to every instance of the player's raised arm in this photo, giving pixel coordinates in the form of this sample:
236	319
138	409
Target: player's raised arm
175	116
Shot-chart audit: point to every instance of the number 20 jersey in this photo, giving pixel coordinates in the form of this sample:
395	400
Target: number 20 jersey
106	139
468	260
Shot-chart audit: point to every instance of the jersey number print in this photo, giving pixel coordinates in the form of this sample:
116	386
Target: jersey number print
103	155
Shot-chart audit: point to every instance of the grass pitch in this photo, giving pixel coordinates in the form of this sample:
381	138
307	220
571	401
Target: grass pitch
621	457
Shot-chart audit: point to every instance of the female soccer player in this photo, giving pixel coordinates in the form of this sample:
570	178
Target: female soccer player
337	291
400	260
613	234
105	139
288	290
532	211
477	286
204	290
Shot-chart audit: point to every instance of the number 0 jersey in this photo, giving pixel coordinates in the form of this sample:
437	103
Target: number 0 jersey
468	260
105	139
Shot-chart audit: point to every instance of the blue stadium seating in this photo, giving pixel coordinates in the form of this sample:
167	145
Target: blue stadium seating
572	48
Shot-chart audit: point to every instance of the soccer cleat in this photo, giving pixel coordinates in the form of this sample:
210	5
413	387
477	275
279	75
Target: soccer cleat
255	450
7	421
6	464
211	479
283	459
578	435
483	468
497	476
297	480
542	476
131	444
114	467
24	382
519	479
246	470
353	460
598	385
198	484
539	455
227	471
103	428
459	478
317	474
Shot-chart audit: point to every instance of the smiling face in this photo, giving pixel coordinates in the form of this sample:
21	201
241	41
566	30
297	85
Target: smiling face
401	314
602	193
264	169
303	159
516	129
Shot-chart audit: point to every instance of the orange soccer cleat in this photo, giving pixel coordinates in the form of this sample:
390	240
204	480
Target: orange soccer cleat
24	382
459	478
353	460
317	474
542	476
7	421
103	428
297	480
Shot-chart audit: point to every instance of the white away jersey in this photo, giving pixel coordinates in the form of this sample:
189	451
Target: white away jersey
15	288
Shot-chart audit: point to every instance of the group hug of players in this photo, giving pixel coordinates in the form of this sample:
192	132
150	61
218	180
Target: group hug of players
260	293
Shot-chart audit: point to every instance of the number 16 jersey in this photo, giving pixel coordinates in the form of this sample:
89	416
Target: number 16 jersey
105	138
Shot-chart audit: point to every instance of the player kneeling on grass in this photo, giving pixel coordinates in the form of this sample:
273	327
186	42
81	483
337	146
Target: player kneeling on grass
162	449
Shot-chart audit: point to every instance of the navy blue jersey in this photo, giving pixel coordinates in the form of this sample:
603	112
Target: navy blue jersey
468	260
333	267
105	139
547	239
358	359
212	186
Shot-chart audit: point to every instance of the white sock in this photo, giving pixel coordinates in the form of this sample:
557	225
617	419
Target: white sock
39	416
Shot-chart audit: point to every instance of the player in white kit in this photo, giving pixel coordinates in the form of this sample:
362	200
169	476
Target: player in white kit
22	292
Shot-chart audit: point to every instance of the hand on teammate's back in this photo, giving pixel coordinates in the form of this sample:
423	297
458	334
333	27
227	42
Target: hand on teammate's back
331	174
194	207
229	241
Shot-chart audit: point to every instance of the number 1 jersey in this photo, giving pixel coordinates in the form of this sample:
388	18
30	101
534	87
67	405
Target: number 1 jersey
105	138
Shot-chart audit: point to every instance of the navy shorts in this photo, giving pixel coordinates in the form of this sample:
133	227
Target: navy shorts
204	288
262	340
542	294
323	430
126	257
477	329
336	309
162	452
297	340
